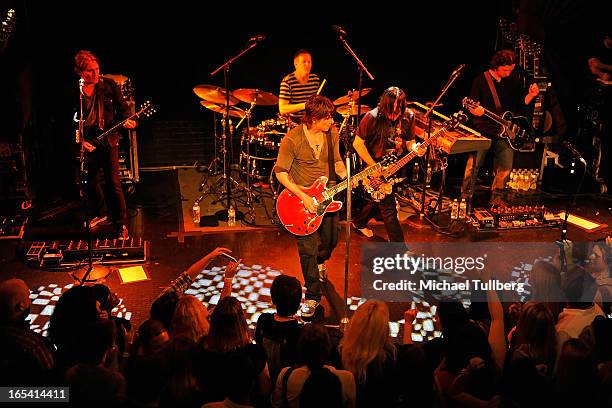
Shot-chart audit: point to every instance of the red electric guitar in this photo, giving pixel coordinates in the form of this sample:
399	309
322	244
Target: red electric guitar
299	221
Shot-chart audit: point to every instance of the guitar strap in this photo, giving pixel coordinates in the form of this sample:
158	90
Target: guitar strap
330	158
498	106
100	102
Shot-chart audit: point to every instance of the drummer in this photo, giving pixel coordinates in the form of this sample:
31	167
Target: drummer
297	87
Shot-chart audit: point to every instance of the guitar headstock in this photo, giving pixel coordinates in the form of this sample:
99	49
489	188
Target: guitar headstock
7	27
146	109
470	103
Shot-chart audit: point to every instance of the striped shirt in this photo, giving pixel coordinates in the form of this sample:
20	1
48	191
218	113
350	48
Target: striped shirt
293	91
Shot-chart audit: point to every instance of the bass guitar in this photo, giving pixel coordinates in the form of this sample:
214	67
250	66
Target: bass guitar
515	129
380	187
299	221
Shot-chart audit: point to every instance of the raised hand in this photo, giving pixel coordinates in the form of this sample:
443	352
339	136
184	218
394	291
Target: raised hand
231	269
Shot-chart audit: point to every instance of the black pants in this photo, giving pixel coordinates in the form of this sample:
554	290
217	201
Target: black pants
316	248
106	157
388	210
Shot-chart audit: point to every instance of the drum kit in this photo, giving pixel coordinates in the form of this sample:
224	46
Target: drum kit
260	144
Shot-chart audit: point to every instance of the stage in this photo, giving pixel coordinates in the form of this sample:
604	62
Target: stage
157	211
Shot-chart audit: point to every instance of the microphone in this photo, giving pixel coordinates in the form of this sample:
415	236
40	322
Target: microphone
339	30
574	152
81	84
459	69
257	38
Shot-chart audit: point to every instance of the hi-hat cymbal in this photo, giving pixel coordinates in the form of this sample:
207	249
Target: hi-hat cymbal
255	95
234	111
344	110
214	94
351	96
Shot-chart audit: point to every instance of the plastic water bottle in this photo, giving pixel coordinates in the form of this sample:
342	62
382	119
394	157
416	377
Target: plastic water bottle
195	211
454	210
415	172
231	216
462	209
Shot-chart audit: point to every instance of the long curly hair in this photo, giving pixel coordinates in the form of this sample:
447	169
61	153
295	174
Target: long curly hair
366	340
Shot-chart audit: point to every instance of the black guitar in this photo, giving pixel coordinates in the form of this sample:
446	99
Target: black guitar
515	129
146	109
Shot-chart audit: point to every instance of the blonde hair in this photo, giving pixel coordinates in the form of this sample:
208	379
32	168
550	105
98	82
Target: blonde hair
367	340
190	319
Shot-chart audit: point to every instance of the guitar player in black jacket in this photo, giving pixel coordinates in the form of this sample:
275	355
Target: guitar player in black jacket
103	107
511	97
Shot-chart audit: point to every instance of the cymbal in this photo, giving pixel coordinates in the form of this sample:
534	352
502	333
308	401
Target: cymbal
344	110
234	111
260	97
214	94
351	96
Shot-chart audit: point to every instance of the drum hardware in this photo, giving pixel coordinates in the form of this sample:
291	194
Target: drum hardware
351	96
215	94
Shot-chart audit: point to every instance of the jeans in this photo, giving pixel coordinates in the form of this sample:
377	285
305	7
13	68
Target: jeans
106	157
388	209
316	248
503	158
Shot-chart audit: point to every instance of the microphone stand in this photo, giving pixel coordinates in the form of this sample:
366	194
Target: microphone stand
428	116
223	214
84	187
568	203
345	319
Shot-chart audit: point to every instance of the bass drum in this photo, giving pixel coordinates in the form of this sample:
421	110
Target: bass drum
257	154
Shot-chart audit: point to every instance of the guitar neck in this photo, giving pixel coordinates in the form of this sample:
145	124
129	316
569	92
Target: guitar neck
356	178
495	117
115	127
392	169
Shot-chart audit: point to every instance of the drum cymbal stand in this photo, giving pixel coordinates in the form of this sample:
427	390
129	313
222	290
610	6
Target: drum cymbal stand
219	186
215	166
251	195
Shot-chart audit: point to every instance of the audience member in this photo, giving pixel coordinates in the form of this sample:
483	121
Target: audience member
26	358
146	368
91	383
76	310
368	353
244	376
580	311
278	332
576	380
312	383
535	337
190	319
228	337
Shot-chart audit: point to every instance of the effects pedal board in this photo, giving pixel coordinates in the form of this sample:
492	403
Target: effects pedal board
59	254
515	217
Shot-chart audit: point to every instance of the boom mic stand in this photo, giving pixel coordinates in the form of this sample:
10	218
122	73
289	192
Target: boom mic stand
454	75
341	34
223	214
